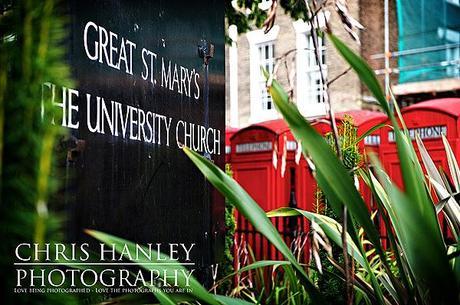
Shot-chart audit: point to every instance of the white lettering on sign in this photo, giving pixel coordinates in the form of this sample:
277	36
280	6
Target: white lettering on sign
109	48
113	118
179	79
254	147
197	137
429	132
372	140
67	102
126	121
148	60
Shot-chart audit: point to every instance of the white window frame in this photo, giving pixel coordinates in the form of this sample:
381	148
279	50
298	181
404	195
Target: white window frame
255	39
265	4
305	97
233	76
266	59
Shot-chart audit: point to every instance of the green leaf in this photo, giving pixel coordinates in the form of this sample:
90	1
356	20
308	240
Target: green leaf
231	301
453	165
171	265
383	205
398	112
331	228
429	264
252	212
368	132
414	209
451	208
331	175
163	297
262	264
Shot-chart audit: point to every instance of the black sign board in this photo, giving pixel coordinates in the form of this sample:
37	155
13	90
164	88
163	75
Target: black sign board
149	78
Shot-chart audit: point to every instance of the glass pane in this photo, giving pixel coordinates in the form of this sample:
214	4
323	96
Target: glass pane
266	60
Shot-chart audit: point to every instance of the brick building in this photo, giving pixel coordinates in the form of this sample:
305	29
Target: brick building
247	101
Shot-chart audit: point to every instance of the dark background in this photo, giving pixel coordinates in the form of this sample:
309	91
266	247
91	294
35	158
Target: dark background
141	191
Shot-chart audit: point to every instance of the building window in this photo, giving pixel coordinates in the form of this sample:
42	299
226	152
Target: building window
267	61
309	85
261	54
314	86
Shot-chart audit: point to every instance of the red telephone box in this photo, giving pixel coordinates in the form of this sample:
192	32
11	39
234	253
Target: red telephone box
262	157
430	119
229	132
257	162
263	162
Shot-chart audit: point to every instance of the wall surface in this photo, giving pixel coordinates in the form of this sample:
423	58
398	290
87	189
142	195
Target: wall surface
372	39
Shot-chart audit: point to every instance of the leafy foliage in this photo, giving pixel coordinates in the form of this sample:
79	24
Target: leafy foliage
31	54
418	267
334	288
226	267
409	272
413	211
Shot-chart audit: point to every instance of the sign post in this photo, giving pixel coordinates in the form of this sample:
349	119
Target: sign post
149	79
